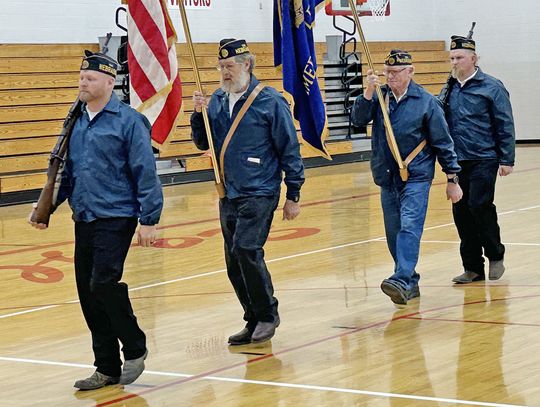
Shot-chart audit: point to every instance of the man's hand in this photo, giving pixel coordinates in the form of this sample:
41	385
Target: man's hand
453	192
291	210
40	226
372	81
146	235
505	170
200	101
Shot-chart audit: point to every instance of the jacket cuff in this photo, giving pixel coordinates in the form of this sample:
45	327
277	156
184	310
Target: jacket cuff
147	221
293	193
509	163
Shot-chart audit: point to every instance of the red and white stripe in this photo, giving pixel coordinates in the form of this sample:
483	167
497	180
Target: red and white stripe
155	88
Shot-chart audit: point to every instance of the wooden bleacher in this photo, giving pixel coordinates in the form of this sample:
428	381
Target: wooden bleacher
38	83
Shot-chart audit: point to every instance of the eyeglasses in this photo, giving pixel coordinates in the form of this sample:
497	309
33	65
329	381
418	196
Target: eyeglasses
393	73
227	67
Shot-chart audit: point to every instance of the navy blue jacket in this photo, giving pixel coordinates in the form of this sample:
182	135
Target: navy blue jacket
417	117
111	170
479	115
264	145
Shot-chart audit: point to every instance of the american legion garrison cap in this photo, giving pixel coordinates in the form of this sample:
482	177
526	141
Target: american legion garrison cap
100	63
230	47
459	42
398	57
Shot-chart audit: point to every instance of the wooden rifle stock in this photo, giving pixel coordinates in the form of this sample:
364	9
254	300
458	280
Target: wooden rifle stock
47	198
444	95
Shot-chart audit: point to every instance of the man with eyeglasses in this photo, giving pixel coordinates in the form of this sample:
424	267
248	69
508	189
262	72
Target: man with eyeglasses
252	160
416	116
479	115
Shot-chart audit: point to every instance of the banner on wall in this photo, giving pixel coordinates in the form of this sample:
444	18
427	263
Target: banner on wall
191	4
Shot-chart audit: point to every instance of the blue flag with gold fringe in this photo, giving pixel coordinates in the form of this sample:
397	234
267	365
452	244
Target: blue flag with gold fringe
294	51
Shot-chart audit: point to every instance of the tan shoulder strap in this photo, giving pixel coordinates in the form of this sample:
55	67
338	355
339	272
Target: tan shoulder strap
412	154
234	125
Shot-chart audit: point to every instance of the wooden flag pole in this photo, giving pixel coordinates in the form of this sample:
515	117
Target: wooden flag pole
219	184
389	131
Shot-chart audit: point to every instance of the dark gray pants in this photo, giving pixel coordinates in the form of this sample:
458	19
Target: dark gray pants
245	223
475	215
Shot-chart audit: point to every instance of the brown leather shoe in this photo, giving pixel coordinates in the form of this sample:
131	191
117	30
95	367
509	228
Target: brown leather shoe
468	277
241	338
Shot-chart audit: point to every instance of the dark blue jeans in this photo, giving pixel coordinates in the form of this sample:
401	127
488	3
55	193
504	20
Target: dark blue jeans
475	215
404	209
101	248
245	223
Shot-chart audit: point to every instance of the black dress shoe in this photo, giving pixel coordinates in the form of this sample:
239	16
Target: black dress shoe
413	293
468	277
395	291
264	331
241	338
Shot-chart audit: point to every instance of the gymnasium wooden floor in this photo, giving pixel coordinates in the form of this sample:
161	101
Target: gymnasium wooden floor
341	341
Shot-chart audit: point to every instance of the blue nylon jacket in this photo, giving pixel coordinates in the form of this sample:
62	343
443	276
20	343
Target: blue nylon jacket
110	170
263	146
479	115
418	116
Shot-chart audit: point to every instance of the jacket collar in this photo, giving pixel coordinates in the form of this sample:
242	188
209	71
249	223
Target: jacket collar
413	90
113	105
480	75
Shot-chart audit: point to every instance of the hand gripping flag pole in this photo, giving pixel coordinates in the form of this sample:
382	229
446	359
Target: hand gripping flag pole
219	183
390	132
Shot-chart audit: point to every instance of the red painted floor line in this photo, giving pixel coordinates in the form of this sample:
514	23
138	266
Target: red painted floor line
301	346
176	225
35	247
144	297
473	321
196	222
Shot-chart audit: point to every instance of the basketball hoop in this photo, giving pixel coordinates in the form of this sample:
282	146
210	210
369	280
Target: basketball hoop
378	9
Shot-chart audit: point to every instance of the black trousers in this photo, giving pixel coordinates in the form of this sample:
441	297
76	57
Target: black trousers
475	215
245	224
101	248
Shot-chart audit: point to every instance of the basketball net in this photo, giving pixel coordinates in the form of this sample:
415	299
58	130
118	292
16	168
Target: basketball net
378	8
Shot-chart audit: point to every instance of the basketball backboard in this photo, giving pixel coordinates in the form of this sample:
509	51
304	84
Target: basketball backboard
342	8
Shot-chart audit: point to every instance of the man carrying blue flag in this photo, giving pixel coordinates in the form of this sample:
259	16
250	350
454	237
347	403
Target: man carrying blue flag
294	50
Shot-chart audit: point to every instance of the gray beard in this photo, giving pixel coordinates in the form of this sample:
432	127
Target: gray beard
238	86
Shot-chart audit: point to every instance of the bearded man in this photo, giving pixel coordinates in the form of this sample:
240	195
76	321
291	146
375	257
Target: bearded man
252	159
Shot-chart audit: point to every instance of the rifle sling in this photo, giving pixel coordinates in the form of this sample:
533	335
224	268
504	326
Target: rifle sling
234	125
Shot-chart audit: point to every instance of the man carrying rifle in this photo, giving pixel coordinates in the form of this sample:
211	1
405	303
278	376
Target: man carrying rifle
421	134
479	115
110	181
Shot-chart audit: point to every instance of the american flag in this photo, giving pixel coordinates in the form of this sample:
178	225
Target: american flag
155	88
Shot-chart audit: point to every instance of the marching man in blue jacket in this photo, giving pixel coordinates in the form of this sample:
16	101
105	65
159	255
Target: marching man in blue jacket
252	159
480	118
416	117
111	184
